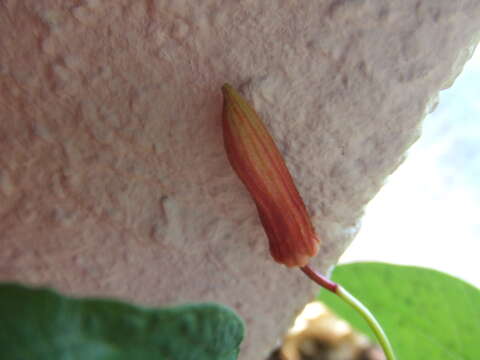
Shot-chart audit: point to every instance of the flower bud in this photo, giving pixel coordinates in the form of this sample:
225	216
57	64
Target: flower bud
259	164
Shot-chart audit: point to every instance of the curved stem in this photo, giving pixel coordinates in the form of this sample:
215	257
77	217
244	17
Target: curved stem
372	322
321	280
354	303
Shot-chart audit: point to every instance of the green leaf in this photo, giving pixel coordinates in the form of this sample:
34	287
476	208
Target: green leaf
426	314
41	324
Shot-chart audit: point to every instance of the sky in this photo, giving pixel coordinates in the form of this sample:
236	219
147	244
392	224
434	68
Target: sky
428	212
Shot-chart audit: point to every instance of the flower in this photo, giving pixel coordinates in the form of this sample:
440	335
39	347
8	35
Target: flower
259	164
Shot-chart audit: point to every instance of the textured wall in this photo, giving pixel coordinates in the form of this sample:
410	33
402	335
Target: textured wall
113	178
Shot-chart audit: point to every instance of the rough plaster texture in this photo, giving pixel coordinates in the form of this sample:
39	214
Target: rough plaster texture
113	178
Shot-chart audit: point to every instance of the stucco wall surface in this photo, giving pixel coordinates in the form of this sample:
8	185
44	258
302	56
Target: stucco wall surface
113	177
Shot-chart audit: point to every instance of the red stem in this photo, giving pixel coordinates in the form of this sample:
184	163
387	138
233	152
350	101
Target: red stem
319	279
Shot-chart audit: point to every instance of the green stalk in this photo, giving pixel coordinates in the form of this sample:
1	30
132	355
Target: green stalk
355	304
368	316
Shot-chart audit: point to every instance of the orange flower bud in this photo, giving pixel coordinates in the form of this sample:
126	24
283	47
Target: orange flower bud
259	164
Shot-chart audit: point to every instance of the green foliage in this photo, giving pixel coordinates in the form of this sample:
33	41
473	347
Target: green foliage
41	324
426	314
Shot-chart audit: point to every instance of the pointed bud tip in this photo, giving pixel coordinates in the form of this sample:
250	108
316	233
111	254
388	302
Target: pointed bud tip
227	89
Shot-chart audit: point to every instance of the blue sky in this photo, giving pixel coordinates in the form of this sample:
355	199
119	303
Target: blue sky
428	212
